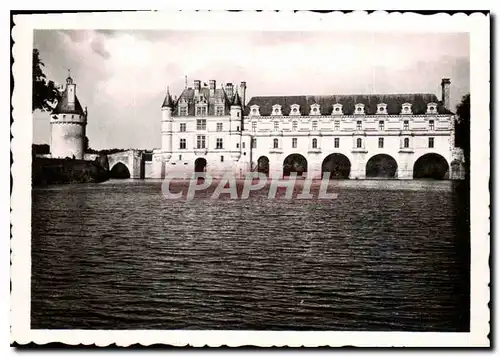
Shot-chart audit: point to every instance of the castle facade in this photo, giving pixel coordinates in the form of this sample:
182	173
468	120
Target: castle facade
215	130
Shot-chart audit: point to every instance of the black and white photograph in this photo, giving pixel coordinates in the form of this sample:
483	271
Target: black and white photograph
233	177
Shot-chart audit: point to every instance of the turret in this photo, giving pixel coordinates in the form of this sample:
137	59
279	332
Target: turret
236	123
166	125
68	124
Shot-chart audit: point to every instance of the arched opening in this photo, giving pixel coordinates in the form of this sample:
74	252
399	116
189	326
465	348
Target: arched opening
295	163
337	165
432	166
381	166
200	165
119	171
263	165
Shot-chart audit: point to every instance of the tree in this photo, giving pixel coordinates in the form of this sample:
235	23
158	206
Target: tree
45	92
462	128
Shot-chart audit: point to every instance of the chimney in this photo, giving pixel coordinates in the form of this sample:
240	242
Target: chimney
211	84
445	92
243	90
229	91
197	87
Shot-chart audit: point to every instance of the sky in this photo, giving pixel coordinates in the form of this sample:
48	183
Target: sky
122	76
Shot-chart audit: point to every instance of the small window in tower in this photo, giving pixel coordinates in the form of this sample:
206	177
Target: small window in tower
294	143
431	124
275	143
222	159
406	125
359	143
180	157
237	145
315	143
431	142
243	145
254	143
238	114
238	128
406	143
336	142
380	143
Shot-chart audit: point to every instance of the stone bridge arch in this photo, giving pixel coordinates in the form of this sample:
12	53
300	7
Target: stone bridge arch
130	159
431	166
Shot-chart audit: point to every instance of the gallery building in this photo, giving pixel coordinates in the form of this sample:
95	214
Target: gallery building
214	130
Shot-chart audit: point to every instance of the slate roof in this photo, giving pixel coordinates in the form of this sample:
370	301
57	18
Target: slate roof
63	107
237	99
188	95
394	102
168	101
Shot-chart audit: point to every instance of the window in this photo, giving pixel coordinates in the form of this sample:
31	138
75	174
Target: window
254	126
294	143
314	125
243	145
237	145
238	114
406	125
218	143
219	111
359	143
219	126
200	141
381	125
431	142
222	159
180	157
406	143
294	126
380	143
358	125
315	143
275	143
200	111
336	142
238	128
182	144
183	111
254	143
431	124
276	125
336	125
182	127
201	124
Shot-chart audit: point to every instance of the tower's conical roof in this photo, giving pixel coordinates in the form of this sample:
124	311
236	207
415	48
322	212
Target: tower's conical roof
65	107
168	102
237	99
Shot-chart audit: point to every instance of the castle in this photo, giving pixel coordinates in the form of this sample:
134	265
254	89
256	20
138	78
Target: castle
214	130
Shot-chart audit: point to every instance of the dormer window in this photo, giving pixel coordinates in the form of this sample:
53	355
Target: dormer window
295	109
315	109
276	110
201	110
406	108
359	109
432	108
337	109
381	108
219	110
254	110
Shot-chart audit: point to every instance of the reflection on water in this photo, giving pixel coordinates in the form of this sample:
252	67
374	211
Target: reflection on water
385	255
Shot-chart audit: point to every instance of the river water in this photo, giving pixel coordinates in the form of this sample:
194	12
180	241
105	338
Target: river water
384	255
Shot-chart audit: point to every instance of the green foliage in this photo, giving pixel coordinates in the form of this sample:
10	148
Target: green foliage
462	127
45	92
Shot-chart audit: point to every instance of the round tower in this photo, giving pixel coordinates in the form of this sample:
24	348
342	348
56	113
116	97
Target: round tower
236	127
68	123
166	126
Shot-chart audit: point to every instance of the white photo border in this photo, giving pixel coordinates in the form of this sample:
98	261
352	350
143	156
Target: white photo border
478	27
